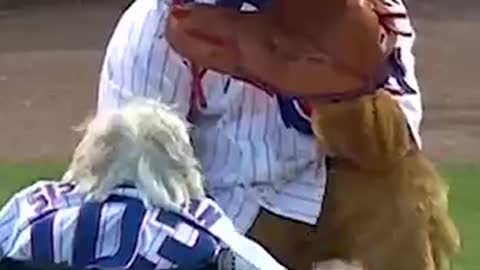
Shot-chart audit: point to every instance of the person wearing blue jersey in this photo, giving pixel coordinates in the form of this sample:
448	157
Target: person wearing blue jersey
132	198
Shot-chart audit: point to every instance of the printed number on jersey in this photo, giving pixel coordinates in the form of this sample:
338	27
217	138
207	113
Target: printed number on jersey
86	236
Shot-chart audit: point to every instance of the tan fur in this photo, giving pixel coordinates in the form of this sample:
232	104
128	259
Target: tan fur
386	206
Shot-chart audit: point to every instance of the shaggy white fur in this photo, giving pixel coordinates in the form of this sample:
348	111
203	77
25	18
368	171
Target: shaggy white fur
144	143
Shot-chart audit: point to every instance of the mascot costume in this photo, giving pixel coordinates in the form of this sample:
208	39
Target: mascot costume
386	206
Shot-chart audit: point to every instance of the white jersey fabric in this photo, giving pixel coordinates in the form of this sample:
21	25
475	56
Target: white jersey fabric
256	150
50	223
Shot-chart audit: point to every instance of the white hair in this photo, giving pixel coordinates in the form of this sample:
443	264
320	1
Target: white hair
144	143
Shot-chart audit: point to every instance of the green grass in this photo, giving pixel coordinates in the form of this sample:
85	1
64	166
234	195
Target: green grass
465	208
14	176
464	200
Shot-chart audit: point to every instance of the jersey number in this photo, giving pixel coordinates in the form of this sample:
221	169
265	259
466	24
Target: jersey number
86	238
47	196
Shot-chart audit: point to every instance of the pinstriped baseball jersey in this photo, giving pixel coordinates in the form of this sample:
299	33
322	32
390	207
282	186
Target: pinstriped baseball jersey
256	149
51	223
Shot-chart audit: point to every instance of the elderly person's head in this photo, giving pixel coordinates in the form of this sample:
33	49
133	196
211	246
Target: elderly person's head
144	143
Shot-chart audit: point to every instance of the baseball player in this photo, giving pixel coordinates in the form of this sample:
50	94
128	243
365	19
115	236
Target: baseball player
256	149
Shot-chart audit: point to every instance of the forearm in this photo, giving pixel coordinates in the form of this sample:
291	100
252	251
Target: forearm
370	132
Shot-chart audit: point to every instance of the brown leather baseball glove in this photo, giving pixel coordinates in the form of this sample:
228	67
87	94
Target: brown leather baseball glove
336	45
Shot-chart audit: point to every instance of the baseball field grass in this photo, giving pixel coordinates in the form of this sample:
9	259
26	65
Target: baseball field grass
464	183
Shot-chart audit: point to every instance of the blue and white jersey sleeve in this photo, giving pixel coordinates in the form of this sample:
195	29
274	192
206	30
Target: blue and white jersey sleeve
9	219
140	63
21	214
27	220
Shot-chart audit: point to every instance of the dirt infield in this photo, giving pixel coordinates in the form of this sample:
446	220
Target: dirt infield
50	58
